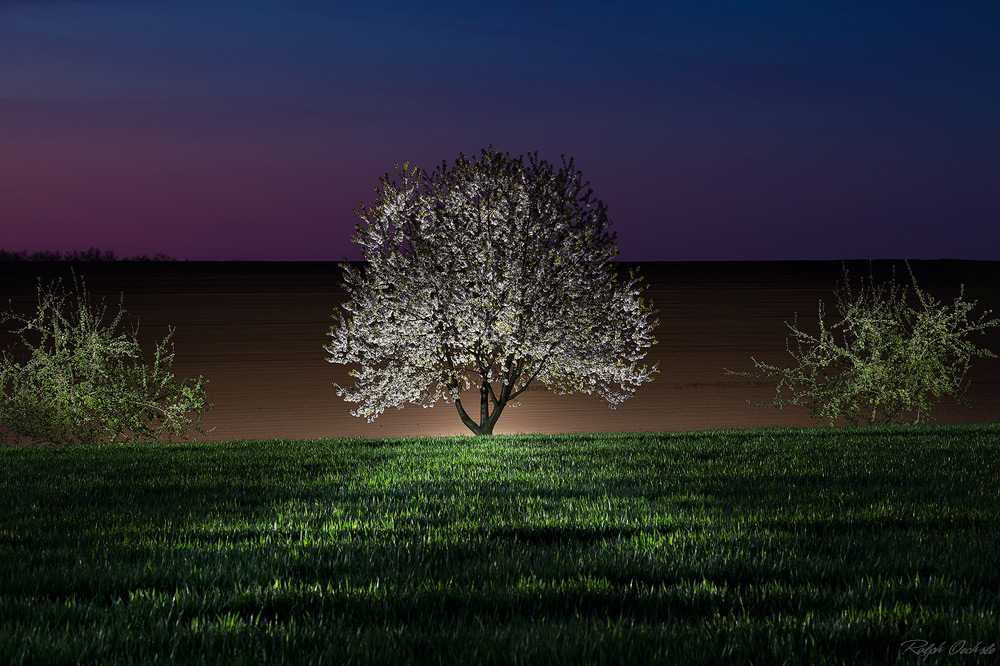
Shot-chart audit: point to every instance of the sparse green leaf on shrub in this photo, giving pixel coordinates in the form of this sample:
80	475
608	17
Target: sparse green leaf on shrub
79	379
882	360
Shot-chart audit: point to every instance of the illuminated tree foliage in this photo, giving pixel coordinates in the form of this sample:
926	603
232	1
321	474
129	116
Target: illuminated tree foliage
78	379
882	360
495	273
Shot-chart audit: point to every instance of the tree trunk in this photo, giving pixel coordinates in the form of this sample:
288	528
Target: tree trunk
486	420
485	427
466	419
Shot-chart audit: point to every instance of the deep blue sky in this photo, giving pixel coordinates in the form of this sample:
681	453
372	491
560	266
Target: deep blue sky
712	129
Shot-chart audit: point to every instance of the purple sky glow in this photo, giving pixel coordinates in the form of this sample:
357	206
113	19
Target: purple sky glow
713	129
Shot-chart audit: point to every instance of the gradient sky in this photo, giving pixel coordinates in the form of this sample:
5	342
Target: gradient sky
773	129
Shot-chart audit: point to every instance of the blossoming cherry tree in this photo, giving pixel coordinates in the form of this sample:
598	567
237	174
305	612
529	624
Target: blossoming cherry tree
494	274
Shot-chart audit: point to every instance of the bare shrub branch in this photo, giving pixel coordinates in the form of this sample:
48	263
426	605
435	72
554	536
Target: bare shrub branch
78	379
882	361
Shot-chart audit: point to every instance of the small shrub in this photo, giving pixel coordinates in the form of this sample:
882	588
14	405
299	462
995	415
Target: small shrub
883	358
78	379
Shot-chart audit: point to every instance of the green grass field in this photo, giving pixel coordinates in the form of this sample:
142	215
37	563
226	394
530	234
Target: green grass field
769	546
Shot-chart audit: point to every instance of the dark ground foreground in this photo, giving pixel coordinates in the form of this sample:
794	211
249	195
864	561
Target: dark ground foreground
811	546
256	331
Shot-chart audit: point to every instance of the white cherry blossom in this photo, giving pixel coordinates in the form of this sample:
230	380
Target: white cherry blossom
495	273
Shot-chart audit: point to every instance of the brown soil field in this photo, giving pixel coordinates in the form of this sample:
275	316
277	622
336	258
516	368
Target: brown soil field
256	331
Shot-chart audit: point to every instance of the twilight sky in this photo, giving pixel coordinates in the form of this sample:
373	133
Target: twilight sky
713	129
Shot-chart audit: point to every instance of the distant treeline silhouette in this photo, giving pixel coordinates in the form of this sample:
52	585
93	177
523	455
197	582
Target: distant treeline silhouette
90	254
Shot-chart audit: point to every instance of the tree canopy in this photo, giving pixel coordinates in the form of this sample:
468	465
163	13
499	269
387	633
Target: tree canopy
494	273
90	254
